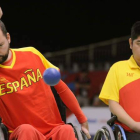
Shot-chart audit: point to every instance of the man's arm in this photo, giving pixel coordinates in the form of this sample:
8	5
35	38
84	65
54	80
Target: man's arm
1	13
123	117
71	102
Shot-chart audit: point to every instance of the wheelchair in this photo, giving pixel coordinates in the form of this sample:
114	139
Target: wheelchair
62	109
3	131
111	131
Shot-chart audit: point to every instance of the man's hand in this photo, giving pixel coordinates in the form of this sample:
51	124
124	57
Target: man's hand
85	129
1	13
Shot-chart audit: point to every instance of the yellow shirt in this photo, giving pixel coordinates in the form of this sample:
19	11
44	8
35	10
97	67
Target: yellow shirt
122	85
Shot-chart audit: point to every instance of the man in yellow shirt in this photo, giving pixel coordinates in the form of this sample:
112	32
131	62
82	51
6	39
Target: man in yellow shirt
121	89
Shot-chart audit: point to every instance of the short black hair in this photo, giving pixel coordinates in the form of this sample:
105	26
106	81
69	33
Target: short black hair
3	28
135	30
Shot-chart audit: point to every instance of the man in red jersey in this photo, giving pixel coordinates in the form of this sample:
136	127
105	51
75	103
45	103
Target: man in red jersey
27	105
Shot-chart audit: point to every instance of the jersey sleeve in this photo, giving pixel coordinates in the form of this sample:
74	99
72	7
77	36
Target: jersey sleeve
110	89
45	62
70	101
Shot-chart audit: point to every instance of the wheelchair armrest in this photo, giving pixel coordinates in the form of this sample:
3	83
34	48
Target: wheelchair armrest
111	121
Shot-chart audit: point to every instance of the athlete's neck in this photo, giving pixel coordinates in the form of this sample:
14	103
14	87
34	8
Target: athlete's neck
9	59
9	55
137	61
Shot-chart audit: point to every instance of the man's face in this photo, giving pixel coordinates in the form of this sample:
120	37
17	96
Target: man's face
4	47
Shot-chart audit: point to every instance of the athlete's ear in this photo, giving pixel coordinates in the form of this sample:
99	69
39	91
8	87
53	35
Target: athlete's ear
8	38
130	43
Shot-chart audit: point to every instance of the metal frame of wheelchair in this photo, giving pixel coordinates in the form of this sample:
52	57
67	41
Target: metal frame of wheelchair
110	131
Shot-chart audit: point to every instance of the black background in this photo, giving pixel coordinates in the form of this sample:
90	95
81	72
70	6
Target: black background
56	25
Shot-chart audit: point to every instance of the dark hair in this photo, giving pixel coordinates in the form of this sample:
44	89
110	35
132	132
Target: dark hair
3	28
135	30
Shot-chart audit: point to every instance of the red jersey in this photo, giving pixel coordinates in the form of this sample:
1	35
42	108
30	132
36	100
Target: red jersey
24	96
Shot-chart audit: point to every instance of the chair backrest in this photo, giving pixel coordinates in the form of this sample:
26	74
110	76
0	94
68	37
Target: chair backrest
1	134
3	131
60	104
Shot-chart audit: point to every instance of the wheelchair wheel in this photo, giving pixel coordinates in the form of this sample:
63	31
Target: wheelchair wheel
119	132
79	134
1	134
109	132
101	135
84	136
